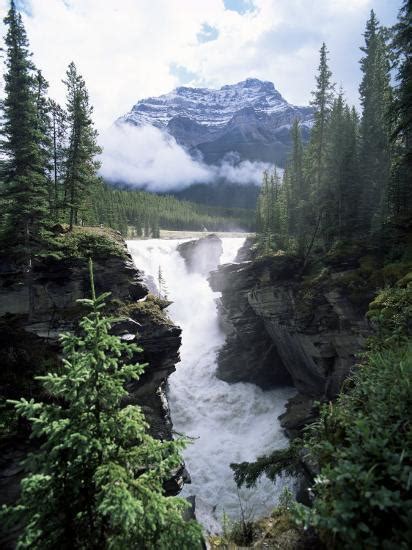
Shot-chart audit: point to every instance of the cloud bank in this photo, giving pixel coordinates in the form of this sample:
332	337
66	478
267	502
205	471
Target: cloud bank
150	159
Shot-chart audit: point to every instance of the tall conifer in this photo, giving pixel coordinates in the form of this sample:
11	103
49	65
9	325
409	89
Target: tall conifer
401	182
375	95
316	151
23	171
81	163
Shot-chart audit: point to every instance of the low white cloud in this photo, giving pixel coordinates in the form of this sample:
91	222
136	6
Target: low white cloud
242	172
148	158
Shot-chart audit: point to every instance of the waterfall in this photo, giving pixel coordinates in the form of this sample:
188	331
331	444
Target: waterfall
228	422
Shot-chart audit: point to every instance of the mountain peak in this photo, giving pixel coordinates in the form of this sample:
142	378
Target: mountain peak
198	117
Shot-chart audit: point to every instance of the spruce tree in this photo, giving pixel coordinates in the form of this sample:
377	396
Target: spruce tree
272	210
341	170
400	194
23	171
375	95
322	103
58	137
44	127
96	481
297	191
81	164
316	151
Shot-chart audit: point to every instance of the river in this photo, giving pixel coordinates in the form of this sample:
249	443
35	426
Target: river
228	422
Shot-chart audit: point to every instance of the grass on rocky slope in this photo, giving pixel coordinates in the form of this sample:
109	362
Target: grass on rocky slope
83	243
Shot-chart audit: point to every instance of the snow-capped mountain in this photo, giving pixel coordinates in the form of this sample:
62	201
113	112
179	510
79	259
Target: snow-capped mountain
250	119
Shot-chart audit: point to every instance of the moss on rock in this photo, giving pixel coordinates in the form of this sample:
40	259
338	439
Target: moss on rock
84	242
150	307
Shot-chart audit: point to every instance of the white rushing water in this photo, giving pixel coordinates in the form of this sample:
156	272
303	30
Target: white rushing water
230	422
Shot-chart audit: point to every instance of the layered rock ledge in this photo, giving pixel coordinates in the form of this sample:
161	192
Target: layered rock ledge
281	326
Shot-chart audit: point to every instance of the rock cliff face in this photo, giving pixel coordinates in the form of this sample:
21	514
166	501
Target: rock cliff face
33	312
309	328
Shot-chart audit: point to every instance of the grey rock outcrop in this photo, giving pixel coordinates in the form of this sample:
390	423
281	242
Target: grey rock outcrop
312	327
249	355
202	255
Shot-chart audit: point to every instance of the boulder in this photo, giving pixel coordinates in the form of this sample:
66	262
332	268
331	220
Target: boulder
201	255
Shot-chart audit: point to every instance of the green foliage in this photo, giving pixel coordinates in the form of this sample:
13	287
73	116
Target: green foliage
391	315
279	461
351	181
81	165
374	153
322	103
97	479
363	444
85	242
235	534
271	213
151	307
401	115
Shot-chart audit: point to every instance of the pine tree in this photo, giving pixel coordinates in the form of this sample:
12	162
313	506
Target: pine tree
23	171
96	481
297	191
44	127
400	194
272	209
342	172
375	97
322	103
58	137
316	151
81	165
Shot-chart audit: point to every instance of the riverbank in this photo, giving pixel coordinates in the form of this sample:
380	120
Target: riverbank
166	234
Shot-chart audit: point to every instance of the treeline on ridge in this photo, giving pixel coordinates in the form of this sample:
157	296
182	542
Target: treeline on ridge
143	214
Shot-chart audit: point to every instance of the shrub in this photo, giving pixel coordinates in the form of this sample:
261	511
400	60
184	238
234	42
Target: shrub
363	444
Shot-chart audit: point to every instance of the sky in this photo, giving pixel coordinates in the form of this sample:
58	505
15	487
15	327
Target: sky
131	49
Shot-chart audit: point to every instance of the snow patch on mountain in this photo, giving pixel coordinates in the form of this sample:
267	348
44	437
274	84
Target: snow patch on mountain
208	107
250	118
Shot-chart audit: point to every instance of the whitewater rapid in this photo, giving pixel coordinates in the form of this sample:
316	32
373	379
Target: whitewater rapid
229	422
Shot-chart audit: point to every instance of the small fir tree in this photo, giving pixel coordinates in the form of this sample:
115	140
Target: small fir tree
97	479
161	284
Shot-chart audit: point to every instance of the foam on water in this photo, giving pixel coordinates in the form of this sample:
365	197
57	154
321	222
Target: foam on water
230	422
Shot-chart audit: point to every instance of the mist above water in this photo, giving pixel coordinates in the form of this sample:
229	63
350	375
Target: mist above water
229	422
